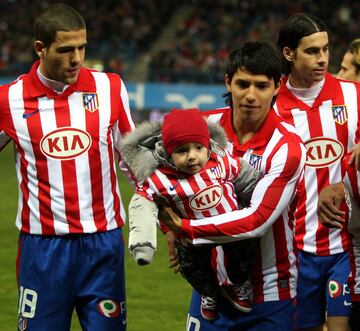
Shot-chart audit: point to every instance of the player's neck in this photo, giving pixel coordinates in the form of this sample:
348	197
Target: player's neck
56	86
299	82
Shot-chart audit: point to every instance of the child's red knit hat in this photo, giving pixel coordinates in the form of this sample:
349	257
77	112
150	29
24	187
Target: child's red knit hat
184	126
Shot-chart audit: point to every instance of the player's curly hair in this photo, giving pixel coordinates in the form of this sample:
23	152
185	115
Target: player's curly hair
57	17
295	28
354	49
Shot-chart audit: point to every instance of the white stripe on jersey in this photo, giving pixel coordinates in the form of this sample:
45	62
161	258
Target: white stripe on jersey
17	109
215	118
350	98
301	123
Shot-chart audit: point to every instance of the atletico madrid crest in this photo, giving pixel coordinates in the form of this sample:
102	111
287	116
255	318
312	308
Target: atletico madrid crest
217	171
340	114
255	161
90	102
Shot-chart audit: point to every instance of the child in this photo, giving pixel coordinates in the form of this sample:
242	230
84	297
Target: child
187	167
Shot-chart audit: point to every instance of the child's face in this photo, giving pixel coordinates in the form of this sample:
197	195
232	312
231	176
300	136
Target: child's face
190	158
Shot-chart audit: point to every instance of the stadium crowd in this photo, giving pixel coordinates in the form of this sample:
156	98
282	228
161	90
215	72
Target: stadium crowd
205	38
121	31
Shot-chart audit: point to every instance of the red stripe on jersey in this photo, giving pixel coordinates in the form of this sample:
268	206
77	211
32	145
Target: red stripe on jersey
92	127
68	170
36	133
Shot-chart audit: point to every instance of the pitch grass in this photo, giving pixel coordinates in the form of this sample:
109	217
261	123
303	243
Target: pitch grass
157	299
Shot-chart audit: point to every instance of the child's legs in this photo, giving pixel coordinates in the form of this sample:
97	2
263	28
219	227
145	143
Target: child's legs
240	257
195	267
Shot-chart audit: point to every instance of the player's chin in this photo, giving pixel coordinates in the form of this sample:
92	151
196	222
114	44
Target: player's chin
71	77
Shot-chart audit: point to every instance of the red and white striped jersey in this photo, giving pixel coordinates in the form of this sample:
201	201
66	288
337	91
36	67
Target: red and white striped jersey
66	149
206	193
280	156
328	129
352	184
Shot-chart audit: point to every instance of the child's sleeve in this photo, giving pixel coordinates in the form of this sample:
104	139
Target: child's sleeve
143	229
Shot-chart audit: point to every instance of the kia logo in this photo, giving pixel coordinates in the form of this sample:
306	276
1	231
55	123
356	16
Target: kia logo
65	143
207	198
321	152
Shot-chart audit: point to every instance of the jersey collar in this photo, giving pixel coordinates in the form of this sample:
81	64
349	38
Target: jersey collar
84	83
261	137
291	101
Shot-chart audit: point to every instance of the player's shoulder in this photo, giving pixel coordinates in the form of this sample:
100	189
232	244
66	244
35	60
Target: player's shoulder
343	82
287	130
4	88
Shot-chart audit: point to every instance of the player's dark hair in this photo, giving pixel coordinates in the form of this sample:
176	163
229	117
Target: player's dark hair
295	28
355	51
257	57
57	17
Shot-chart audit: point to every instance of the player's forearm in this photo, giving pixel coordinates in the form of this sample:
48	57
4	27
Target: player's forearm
271	198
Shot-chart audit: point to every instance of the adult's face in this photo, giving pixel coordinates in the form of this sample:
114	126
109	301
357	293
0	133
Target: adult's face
251	96
310	60
347	69
62	60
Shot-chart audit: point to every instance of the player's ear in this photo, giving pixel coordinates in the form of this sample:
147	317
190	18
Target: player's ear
39	48
227	82
288	54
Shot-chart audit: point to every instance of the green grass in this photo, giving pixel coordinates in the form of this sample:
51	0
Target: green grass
157	299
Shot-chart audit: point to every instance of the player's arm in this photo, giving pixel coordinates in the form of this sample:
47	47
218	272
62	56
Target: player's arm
272	195
124	121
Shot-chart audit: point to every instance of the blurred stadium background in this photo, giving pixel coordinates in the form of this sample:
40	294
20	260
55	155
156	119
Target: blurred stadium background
169	54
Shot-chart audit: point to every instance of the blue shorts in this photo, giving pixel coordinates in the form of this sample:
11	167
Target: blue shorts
272	315
322	288
57	274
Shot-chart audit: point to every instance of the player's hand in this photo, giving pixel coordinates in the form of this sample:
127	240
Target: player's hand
173	257
170	218
355	156
329	202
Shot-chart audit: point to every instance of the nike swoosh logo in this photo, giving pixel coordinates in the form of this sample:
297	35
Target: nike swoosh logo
30	114
172	188
347	303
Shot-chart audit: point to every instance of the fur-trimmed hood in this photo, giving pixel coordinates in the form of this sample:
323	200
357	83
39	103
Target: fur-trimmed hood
143	152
